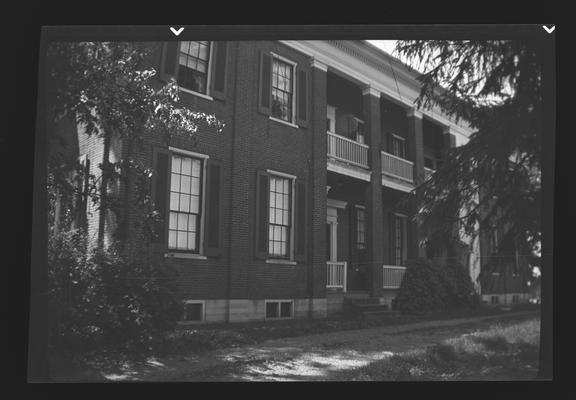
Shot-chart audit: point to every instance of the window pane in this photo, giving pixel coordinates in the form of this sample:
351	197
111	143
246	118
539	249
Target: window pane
194	204
203	52
272	310
278	216
184	48
176	161
272	200
182	240
173	220
196	168
193	49
186	166
185	184
285	220
192	219
285	309
172	239
195	189
184	203
174	201
182	222
175	182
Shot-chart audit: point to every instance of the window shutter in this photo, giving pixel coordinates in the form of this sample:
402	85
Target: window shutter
262	197
169	62
219	70
300	222
160	192
265	92
85	191
302	96
213	208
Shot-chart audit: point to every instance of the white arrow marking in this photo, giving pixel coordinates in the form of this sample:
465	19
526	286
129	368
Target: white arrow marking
177	31
549	30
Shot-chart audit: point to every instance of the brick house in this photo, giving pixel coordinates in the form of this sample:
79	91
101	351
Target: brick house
294	207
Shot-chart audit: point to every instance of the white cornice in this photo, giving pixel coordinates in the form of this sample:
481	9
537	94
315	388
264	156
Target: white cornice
368	68
336	203
317	64
414	113
370	90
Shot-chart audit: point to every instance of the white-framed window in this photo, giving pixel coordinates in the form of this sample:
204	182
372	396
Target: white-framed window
280	216
360	136
186	201
360	227
283	89
194	60
279	309
193	311
398	146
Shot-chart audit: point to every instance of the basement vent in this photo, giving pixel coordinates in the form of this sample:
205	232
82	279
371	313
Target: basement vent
279	309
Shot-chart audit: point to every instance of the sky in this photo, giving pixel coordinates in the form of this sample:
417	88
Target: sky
386	45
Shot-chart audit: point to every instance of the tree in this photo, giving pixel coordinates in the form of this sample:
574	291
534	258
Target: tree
495	178
106	90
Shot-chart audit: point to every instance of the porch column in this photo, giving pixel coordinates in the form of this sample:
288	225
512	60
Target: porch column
416	153
374	226
317	178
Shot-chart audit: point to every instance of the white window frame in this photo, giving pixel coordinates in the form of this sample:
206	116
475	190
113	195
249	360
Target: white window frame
281	260
188	254
208	95
203	319
278	301
292	121
360	122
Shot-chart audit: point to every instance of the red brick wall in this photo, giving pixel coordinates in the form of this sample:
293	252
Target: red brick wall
250	141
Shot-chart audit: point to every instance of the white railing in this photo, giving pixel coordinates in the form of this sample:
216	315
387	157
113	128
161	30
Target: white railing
397	167
336	274
392	276
347	150
428	173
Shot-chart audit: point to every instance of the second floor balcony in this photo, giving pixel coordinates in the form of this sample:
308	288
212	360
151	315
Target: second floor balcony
347	150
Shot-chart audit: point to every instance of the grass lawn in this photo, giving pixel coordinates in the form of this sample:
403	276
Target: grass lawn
503	352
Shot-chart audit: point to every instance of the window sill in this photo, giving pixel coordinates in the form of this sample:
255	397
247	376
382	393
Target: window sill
202	95
279	261
284	122
185	255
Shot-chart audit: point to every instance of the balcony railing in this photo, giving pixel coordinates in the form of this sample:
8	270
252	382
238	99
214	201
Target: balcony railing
397	167
428	173
392	276
336	274
347	150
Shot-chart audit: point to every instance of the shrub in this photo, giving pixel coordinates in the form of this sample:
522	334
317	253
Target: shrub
99	299
422	288
429	286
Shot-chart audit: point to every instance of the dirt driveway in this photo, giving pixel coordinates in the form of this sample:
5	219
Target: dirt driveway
305	358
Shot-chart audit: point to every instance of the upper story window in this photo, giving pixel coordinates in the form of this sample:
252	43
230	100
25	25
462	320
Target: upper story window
331	119
282	90
194	66
280	217
185	203
398	146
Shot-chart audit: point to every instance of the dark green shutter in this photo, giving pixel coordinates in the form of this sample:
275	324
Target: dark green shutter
262	197
169	61
302	97
213	208
161	192
219	70
300	222
265	84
